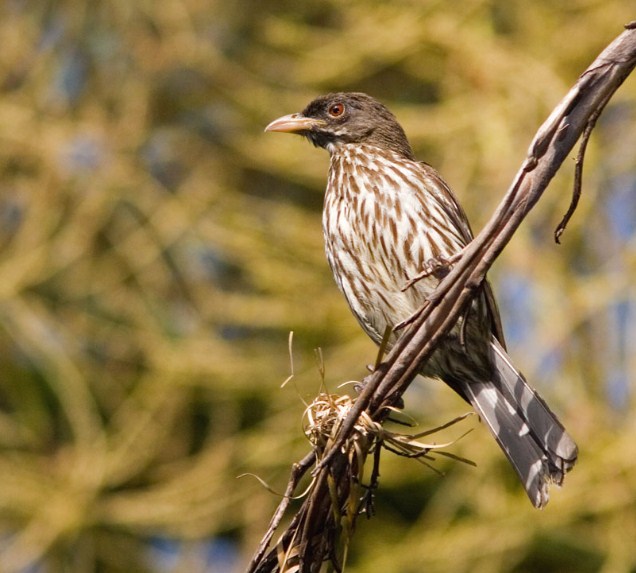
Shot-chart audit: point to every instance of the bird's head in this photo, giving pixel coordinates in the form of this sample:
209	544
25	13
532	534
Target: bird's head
346	118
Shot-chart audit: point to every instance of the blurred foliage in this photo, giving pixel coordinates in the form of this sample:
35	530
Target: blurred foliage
156	248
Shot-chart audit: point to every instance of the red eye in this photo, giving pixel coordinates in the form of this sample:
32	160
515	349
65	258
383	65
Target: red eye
336	110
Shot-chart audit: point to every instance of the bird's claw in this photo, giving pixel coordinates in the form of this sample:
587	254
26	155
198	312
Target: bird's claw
438	267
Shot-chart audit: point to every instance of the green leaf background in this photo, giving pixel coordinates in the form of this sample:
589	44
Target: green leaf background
156	248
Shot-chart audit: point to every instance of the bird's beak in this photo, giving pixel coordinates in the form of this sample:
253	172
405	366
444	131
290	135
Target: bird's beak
294	123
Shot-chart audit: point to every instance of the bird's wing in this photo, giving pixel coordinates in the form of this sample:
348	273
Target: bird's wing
456	214
452	209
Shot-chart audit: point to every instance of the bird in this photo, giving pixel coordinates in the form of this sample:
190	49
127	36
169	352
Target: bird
392	229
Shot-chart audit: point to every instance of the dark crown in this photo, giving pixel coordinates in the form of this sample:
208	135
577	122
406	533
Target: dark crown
355	118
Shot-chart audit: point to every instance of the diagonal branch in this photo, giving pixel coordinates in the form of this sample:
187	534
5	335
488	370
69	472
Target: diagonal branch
325	509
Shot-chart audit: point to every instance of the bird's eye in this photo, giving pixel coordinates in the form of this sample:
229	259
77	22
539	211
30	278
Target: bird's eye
336	110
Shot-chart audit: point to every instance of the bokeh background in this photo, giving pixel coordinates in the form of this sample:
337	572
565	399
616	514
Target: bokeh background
156	249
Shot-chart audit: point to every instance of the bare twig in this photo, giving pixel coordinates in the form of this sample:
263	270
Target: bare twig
312	536
298	470
578	170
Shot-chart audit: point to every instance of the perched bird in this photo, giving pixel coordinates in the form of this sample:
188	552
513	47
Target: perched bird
386	219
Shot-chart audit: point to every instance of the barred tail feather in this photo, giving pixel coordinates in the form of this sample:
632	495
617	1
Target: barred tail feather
531	436
551	434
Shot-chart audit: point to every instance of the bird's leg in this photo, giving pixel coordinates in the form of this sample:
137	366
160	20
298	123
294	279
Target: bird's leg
379	365
383	346
438	267
359	386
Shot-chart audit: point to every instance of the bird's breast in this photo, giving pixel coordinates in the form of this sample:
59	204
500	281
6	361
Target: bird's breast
384	213
377	230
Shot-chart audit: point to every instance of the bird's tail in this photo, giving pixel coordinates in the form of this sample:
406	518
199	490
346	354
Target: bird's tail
531	436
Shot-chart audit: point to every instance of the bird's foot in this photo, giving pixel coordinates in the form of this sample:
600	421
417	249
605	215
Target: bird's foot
438	267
